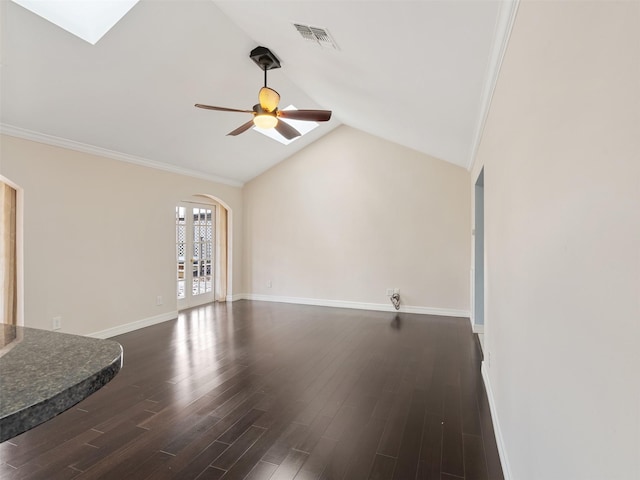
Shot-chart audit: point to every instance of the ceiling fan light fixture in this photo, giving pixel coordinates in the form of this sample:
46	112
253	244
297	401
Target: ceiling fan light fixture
268	99
265	120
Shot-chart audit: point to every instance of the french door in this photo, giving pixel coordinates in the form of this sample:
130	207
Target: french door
195	254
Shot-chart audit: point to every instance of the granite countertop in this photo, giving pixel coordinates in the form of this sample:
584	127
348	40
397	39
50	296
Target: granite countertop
44	373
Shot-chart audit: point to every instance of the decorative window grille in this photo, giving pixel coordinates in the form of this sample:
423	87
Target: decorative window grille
203	224
181	249
194	250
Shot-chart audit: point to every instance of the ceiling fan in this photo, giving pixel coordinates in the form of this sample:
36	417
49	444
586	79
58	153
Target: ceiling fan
265	112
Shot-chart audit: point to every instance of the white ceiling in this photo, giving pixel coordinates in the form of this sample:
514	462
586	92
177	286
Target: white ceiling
418	73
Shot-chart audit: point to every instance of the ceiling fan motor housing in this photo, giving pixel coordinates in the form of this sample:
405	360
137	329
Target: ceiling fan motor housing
264	58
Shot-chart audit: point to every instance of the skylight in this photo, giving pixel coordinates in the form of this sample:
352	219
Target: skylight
87	19
303	127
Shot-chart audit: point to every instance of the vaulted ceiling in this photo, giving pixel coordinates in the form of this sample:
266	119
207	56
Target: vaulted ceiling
418	73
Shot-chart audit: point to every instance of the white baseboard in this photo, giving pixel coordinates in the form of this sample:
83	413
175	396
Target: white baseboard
502	452
236	297
130	327
477	328
380	307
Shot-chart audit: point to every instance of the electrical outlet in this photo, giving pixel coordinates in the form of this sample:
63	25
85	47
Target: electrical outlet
389	292
159	300
396	290
269	284
56	323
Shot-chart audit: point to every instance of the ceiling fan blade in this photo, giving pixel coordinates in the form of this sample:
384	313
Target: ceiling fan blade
308	115
268	99
242	128
286	130
222	109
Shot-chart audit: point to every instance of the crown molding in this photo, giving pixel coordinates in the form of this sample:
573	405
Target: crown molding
23	133
502	33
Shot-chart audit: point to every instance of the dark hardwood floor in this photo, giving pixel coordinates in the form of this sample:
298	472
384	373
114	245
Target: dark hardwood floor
256	390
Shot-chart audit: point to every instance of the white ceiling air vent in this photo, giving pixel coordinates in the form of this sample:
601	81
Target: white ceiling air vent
306	32
317	35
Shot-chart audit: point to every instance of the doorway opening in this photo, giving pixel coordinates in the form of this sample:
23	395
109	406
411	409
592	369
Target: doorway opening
478	268
11	257
203	253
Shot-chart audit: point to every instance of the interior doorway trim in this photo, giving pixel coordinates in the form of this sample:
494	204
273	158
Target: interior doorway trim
478	268
225	205
19	248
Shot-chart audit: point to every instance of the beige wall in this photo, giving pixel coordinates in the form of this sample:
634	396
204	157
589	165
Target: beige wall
352	215
99	235
561	152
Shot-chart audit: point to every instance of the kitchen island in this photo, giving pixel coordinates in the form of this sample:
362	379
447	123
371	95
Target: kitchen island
44	373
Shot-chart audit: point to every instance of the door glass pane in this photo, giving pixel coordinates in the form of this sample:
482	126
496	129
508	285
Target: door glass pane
202	250
195	255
